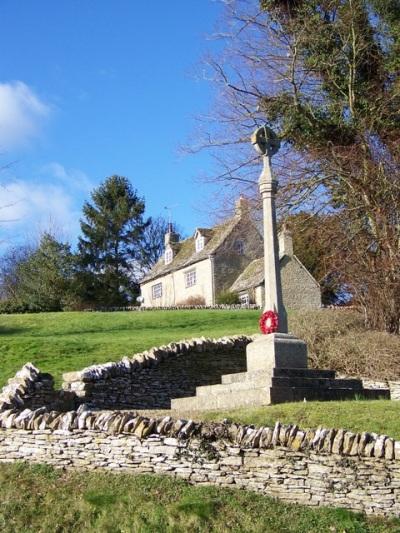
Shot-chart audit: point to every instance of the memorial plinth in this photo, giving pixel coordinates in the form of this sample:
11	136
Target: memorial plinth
276	350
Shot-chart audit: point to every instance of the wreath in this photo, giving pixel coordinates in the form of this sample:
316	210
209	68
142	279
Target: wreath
268	322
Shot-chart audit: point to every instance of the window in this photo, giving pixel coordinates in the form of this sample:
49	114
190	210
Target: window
156	291
239	246
168	256
244	299
190	278
199	243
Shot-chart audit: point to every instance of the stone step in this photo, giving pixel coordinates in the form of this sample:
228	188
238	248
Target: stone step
232	400
227	388
296	394
234	378
259	396
278	372
267	381
304	372
317	383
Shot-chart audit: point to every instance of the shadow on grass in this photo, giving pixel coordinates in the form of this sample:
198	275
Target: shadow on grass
11	331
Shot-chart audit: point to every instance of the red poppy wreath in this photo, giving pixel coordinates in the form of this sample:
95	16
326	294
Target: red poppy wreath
269	322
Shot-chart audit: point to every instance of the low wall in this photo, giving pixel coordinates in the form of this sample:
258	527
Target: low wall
316	467
217	307
319	467
31	389
152	378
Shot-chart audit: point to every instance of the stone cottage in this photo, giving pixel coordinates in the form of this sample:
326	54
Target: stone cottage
225	257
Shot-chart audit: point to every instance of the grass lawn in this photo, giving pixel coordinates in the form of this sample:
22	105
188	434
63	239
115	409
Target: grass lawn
39	498
63	342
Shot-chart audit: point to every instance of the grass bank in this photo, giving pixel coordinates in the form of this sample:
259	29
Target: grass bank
39	498
62	342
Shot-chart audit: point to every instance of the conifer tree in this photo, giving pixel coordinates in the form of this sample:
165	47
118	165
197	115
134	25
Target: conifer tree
112	231
38	279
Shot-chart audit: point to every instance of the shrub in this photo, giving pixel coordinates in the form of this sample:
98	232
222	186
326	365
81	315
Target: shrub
228	298
338	339
10	307
192	300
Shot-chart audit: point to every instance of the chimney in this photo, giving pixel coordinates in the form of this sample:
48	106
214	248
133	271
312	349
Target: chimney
285	242
170	237
241	207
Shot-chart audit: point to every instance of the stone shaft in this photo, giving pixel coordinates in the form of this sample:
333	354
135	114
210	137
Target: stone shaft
273	287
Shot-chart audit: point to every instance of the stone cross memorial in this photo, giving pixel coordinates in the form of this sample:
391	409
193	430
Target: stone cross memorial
275	350
276	362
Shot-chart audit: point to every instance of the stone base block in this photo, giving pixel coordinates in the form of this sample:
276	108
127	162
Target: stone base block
276	350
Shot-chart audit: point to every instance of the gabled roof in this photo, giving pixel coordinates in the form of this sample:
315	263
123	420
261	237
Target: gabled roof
206	232
253	275
185	251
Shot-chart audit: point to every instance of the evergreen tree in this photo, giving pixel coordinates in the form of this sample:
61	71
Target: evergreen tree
152	244
112	229
44	278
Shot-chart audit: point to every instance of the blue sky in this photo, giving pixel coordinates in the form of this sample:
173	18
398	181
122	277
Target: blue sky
90	88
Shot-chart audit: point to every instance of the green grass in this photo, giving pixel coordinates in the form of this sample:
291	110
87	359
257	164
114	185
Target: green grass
39	498
379	416
63	342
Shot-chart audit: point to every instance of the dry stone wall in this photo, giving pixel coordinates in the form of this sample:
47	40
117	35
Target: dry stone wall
334	467
31	389
152	378
315	467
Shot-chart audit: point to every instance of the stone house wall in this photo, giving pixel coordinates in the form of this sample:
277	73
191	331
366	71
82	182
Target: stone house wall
213	275
174	289
299	288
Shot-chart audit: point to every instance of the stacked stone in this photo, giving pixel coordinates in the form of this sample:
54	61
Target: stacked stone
132	382
394	387
314	467
309	477
224	307
31	388
320	440
20	387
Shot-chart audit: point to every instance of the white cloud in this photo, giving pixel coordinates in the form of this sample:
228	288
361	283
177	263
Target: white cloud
71	177
21	114
51	201
27	209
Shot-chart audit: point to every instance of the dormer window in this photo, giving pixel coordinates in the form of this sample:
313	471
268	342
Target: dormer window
199	243
168	256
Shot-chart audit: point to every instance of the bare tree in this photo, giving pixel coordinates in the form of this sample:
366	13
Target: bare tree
324	74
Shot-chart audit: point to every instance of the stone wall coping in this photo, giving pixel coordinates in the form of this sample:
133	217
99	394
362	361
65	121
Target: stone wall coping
320	440
153	356
221	307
